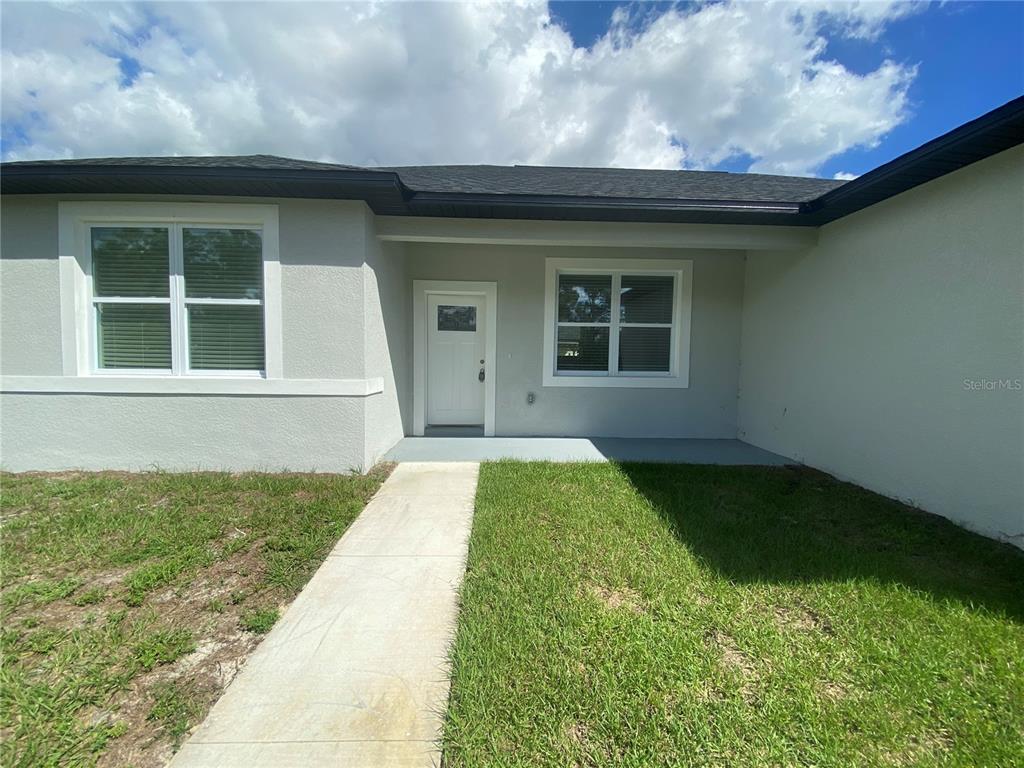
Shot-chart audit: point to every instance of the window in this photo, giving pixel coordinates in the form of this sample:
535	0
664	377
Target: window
169	296
177	298
456	318
132	297
617	323
645	323
584	322
223	277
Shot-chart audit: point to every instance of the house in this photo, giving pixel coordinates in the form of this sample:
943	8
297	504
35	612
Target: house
265	313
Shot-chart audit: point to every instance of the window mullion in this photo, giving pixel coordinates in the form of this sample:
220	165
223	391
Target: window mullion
613	333
130	300
673	341
179	333
226	302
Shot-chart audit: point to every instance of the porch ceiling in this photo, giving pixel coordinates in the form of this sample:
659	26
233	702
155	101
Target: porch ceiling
592	234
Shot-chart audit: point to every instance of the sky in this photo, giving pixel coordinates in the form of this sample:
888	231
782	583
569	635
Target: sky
826	88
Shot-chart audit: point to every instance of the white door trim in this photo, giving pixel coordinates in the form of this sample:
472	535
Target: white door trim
420	290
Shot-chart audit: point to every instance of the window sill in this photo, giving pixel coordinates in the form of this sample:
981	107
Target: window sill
622	382
190	385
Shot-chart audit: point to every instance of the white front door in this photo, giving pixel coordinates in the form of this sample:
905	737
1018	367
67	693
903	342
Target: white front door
456	351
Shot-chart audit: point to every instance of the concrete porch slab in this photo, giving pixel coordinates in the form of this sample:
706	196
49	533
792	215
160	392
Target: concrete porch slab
673	451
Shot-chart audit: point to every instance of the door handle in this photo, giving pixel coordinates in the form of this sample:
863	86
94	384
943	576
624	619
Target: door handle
481	375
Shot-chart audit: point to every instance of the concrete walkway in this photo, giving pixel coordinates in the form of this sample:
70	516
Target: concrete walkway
355	672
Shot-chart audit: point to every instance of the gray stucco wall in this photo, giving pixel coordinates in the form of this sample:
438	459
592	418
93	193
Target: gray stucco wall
706	409
858	354
323	250
29	288
323	245
181	433
387	319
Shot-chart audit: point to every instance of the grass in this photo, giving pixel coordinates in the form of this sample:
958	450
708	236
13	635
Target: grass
645	615
128	601
176	707
259	621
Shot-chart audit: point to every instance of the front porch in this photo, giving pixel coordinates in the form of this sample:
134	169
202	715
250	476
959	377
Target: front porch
598	449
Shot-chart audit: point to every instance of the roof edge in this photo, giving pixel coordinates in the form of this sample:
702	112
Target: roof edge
386	194
598	202
381	178
987	135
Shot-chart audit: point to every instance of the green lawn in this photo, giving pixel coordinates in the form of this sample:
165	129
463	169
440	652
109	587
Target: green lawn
129	601
645	615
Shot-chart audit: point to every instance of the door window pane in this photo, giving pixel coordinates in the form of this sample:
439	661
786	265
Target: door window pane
225	337
223	263
456	318
645	350
584	298
646	299
134	335
582	348
130	262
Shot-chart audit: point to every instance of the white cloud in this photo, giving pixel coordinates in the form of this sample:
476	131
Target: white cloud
844	176
863	19
410	83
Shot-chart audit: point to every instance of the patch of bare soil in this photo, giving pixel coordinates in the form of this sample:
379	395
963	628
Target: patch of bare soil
614	599
709	693
699	599
733	658
832	691
577	733
8	515
77	474
801	618
594	753
204	674
919	749
210	608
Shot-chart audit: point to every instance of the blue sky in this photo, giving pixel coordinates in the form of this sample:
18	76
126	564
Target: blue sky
969	57
831	89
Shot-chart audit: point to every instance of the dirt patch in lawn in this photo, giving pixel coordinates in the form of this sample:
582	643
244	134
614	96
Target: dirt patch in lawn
590	751
732	658
130	602
832	691
801	618
210	609
197	680
616	599
919	749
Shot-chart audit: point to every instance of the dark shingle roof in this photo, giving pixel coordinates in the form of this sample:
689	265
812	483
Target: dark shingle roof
257	162
530	180
531	192
611	182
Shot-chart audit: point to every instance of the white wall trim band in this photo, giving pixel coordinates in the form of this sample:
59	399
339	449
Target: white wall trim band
190	385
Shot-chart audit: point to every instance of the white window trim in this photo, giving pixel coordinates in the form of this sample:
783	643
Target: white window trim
679	367
77	305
